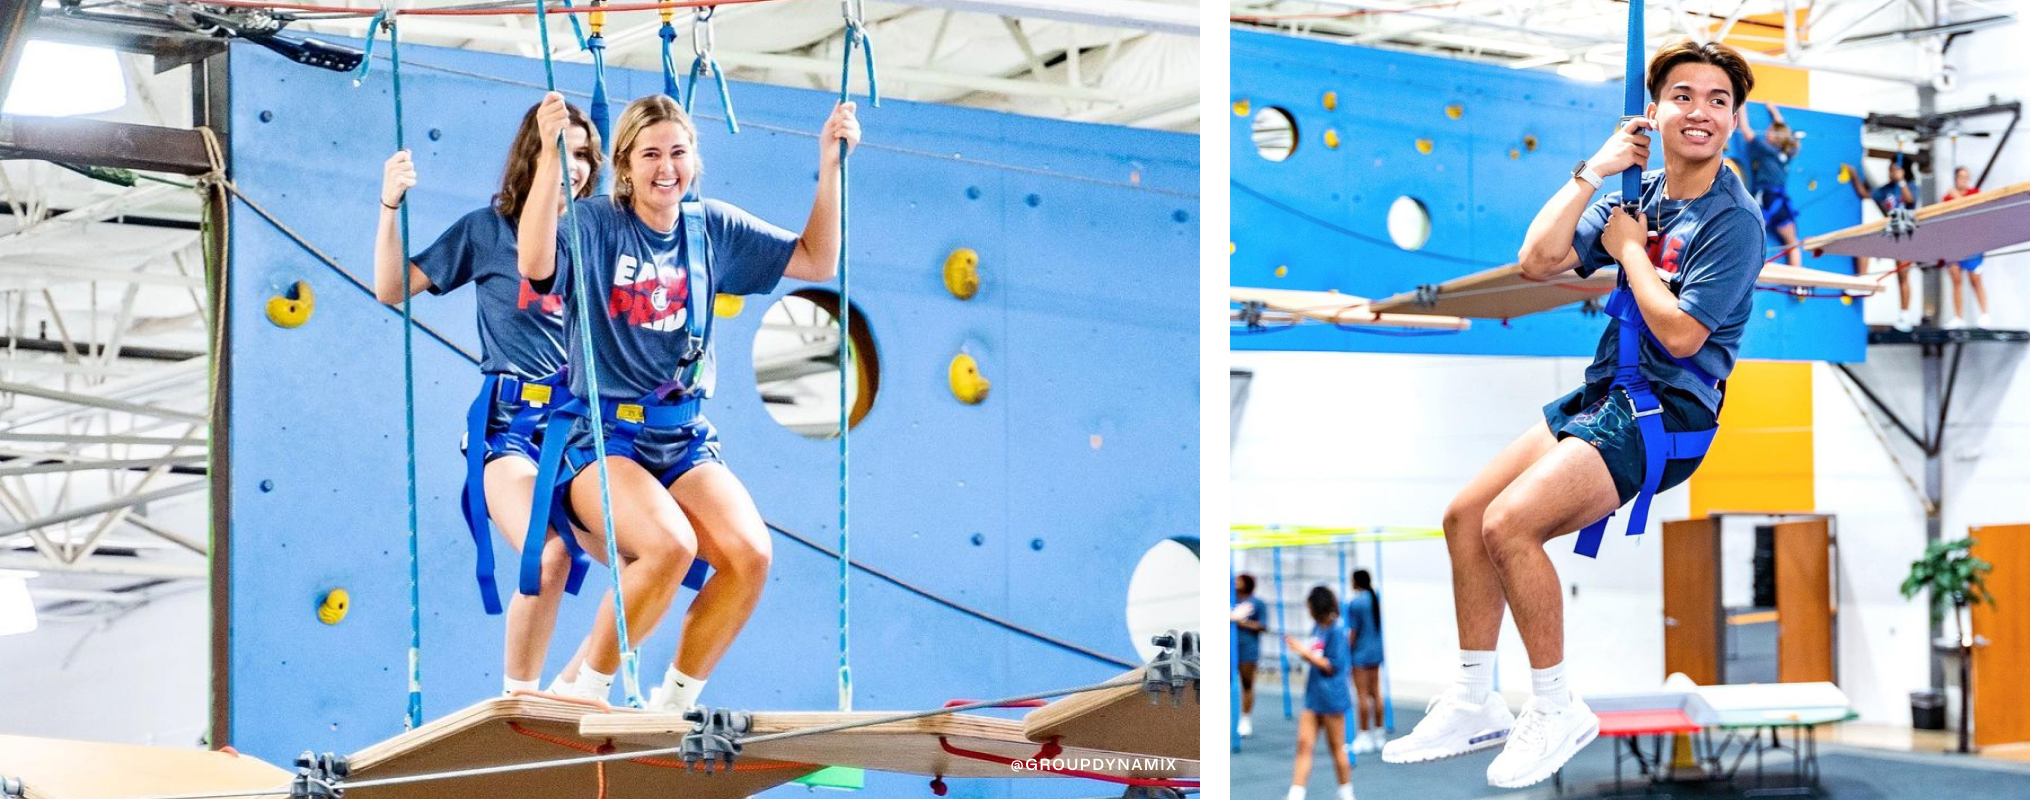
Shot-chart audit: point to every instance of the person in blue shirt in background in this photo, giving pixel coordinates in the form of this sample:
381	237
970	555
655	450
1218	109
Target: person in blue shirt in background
1326	694
1768	172
1889	197
1364	624
1249	615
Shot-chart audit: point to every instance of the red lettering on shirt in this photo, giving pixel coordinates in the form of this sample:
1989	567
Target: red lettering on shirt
548	303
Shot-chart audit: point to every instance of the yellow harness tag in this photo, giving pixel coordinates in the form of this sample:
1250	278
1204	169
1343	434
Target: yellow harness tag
631	413
535	394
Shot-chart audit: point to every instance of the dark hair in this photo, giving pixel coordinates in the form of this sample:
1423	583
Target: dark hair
1686	51
521	163
1323	603
1244	583
1363	582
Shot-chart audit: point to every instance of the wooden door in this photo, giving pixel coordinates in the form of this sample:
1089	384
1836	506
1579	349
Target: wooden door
1692	617
2001	695
1804	601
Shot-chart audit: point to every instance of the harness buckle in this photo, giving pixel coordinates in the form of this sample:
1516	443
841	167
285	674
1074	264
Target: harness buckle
536	394
1639	413
631	412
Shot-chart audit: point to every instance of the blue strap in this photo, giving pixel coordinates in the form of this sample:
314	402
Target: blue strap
475	493
1658	445
1632	97
669	36
602	120
547	504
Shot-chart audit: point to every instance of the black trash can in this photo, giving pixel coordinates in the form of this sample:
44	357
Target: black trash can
1927	710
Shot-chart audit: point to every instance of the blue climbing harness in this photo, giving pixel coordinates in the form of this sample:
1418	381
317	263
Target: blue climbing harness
1658	445
628	418
531	400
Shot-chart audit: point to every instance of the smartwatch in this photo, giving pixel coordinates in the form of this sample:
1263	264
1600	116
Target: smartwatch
1584	173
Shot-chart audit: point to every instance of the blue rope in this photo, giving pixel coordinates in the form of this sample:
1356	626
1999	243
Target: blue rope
854	33
669	36
415	715
629	670
602	117
1631	99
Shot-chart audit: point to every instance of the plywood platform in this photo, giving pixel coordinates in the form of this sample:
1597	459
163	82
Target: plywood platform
1500	293
1123	719
67	768
1946	231
1340	309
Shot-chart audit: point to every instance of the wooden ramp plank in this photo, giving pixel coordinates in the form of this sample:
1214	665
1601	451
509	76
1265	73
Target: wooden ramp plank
1122	719
485	734
1500	293
1339	309
1945	231
908	747
1803	278
68	768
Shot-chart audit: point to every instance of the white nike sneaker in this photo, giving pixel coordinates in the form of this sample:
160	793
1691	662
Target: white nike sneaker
1906	321
571	689
1982	321
1544	739
660	702
1245	728
1453	726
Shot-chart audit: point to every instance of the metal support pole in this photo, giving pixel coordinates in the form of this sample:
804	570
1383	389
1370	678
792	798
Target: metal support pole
1282	630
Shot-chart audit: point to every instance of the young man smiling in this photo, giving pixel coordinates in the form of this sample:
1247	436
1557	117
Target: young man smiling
1688	261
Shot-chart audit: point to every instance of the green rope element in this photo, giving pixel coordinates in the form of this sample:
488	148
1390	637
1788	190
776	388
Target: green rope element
854	33
415	715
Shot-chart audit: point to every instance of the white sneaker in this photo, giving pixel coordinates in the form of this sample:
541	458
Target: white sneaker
1956	323
1982	321
1544	739
571	689
1905	321
660	702
1245	728
1453	726
1376	740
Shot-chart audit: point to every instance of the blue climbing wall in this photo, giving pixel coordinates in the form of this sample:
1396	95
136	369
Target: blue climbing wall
1323	212
1034	506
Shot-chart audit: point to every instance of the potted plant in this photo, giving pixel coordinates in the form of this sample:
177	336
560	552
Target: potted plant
1953	577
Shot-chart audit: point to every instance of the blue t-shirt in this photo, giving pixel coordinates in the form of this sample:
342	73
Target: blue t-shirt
1768	165
1889	197
521	330
1710	254
639	310
1329	693
1367	636
1248	643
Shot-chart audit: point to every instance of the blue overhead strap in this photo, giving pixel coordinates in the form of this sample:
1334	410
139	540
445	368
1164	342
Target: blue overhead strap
531	399
669	37
1632	103
1658	445
702	42
602	117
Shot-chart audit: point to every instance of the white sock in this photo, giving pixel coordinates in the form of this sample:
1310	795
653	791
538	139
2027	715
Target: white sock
1476	674
1346	791
593	682
1548	685
682	690
1296	793
509	685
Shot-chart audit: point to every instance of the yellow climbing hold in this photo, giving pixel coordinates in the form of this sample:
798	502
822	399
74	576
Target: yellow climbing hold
332	610
1455	111
1514	154
1331	139
1812	186
292	307
1846	174
1241	107
962	273
1424	146
1846	300
1529	144
1282	271
968	385
1331	101
728	305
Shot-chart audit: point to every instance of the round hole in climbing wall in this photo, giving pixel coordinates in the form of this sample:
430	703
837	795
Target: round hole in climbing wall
1409	223
1275	133
1163	593
796	363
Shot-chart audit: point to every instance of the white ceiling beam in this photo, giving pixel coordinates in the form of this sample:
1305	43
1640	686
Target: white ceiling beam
891	74
1180	19
105	565
101	507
